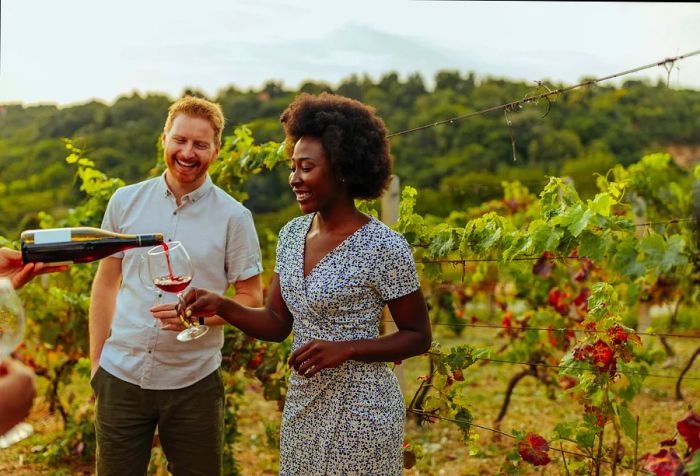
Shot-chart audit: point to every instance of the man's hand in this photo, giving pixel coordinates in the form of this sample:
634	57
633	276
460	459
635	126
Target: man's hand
11	267
169	317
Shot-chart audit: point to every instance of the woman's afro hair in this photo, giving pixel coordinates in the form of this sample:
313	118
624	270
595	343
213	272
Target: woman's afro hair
354	137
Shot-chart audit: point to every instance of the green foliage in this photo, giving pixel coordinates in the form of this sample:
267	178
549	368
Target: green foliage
241	158
456	165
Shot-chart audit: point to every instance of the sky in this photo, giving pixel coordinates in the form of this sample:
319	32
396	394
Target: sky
73	51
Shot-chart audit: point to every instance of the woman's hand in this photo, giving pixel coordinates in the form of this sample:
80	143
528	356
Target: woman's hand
201	303
320	354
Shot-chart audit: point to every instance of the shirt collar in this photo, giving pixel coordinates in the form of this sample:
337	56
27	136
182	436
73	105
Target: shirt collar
194	195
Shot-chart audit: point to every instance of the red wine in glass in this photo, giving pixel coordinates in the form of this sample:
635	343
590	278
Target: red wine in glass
170	269
173	284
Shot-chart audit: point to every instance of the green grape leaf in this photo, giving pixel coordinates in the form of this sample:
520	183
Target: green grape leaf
628	422
625	259
575	219
492	236
674	253
594	246
601	204
460	357
565	430
463	419
443	242
653	247
543	237
580	222
585	437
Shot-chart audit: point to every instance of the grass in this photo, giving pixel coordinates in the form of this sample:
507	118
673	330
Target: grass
444	453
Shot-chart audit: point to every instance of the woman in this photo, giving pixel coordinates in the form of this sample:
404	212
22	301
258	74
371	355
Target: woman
336	269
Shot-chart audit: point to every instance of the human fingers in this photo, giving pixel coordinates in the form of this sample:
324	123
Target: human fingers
202	303
170	306
309	367
172	324
303	353
10	257
170	319
311	371
190	296
42	268
167	316
23	275
27	272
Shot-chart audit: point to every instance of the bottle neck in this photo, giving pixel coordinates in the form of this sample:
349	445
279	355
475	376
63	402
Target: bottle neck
150	240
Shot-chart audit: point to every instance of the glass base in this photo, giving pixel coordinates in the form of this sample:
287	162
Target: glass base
192	333
17	433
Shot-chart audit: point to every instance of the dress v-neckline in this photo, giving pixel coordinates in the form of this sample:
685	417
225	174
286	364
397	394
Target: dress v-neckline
330	252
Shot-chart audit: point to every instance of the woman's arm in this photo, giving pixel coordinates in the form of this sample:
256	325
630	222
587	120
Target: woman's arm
271	323
413	337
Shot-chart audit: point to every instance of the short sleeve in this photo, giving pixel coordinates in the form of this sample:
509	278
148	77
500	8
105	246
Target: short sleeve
394	274
243	258
111	219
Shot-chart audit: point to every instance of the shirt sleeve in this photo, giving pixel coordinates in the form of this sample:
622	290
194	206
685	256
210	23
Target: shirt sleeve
394	272
112	219
243	258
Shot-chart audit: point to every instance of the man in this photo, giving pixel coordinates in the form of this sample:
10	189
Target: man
142	376
17	381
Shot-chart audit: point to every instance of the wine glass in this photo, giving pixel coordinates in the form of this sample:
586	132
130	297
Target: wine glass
145	278
171	271
11	332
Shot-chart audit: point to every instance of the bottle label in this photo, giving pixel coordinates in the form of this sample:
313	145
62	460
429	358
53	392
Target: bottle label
54	235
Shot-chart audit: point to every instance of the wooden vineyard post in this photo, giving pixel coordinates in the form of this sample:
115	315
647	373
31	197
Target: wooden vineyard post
390	215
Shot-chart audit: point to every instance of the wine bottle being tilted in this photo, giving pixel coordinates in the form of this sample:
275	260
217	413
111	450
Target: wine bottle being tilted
78	245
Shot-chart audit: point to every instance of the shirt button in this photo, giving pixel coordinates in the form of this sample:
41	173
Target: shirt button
174	213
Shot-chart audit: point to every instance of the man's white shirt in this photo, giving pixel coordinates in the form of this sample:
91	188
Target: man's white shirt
219	235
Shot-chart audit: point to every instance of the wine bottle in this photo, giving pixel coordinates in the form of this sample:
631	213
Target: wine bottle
78	245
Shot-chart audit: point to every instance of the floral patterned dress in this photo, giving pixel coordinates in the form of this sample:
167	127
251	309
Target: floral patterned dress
348	420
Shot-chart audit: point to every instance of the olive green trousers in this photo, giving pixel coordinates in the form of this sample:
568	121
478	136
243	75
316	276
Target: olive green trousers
189	421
